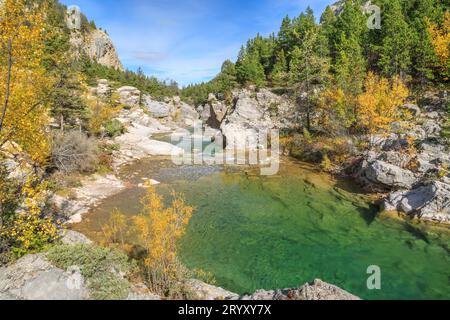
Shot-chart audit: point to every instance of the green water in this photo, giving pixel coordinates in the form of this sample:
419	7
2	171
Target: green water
254	232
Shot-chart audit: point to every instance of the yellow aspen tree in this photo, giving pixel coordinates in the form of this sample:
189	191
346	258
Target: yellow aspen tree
337	111
24	82
159	229
441	41
380	104
31	230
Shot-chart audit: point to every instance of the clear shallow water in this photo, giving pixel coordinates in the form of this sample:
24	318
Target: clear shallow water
255	232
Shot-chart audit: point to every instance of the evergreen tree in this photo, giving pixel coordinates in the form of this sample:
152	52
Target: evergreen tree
284	40
395	50
423	55
280	70
328	21
309	70
249	69
350	62
302	24
66	104
227	79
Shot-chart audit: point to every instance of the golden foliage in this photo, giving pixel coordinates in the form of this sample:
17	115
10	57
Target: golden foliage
31	230
380	105
99	114
441	40
337	110
116	231
159	229
22	41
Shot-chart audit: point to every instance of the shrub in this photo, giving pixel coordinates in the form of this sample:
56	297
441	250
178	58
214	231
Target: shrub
8	196
159	229
31	229
101	267
114	128
74	152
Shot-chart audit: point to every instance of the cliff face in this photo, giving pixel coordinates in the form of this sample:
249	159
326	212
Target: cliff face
338	6
97	45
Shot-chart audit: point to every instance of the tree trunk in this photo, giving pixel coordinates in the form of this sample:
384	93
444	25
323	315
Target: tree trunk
8	85
62	123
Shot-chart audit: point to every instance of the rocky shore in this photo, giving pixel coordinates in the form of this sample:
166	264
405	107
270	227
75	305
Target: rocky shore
34	277
412	167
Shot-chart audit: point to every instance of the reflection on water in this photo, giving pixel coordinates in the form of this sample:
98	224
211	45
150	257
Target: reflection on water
256	232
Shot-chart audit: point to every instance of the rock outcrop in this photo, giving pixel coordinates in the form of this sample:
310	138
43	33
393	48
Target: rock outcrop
317	290
254	112
430	202
34	278
171	110
204	291
155	108
386	175
97	45
136	143
129	96
412	164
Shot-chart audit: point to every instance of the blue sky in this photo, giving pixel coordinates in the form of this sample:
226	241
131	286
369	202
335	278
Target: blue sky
187	40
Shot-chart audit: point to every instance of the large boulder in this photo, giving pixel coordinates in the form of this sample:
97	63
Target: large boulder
103	89
34	278
156	109
71	237
386	175
256	111
317	290
129	96
214	112
430	202
249	118
432	157
204	291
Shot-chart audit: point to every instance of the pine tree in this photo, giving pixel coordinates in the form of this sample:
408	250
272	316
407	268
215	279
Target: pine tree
249	69
420	12
302	24
284	40
309	70
328	21
280	70
350	62
395	57
227	79
350	67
